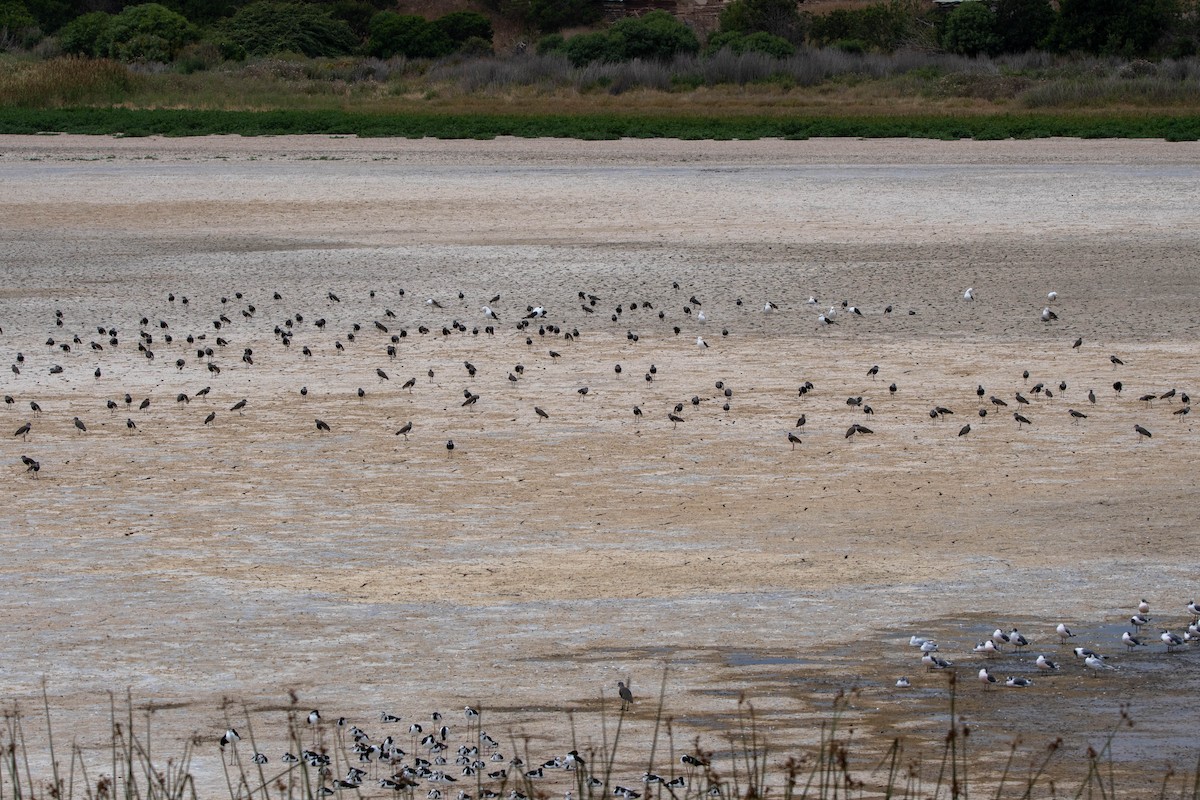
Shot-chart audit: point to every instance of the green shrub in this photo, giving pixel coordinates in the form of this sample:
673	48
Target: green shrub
1112	27
51	14
149	32
761	42
265	27
970	30
476	47
588	47
1022	25
549	16
656	35
407	35
885	26
550	43
86	35
14	17
460	26
777	17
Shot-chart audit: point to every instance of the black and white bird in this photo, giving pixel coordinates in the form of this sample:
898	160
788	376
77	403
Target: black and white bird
1131	641
1046	664
1018	682
986	678
1064	633
1171	640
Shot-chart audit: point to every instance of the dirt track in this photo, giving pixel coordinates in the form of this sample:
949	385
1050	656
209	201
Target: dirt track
543	560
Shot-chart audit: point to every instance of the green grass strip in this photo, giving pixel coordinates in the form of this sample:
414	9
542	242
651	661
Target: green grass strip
151	122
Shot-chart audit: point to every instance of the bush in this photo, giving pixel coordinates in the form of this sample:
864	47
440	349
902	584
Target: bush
51	14
1112	27
884	27
149	32
761	42
15	17
86	35
267	27
549	16
550	43
408	35
1022	25
588	47
970	30
656	35
460	26
777	17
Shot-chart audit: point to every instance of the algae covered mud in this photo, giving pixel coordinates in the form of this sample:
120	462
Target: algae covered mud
546	557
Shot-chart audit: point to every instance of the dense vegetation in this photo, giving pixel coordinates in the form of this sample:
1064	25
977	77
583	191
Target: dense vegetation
132	31
984	69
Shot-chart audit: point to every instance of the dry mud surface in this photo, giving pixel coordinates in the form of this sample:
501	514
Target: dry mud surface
544	559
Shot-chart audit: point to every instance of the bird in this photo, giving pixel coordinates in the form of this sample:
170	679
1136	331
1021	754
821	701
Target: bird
1021	419
1143	606
1115	361
873	371
675	420
903	683
969	294
487	312
801	420
1139	620
794	439
1046	664
131	425
449	445
1171	640
1076	415
211	416
1077	344
1064	633
1095	662
1016	639
823	320
1131	641
964	430
238	406
322	425
230	739
986	678
80	426
541	414
1193	608
1018	682
623	691
1142	431
383	376
700	341
23	431
31	465
987	647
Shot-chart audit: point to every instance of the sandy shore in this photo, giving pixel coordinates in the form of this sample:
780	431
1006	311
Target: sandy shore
544	559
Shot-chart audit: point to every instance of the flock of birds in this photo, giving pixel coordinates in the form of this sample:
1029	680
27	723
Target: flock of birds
475	769
228	337
1015	643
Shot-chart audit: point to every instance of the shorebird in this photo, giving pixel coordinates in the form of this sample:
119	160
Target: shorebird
541	414
1193	608
1046	664
964	430
322	426
700	341
80	426
487	312
1131	641
23	431
794	439
1143	606
1020	683
1021	419
1016	639
1052	296
1064	633
623	691
1095	662
1171	639
1138	620
405	429
1142	432
903	683
987	647
986	678
230	740
969	294
1076	415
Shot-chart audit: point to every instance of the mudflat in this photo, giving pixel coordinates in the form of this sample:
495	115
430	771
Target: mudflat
209	565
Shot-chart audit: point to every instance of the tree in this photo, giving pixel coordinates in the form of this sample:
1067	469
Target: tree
266	27
655	35
761	42
970	29
1112	27
588	47
549	16
15	17
86	35
777	17
149	32
460	26
407	35
1023	25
